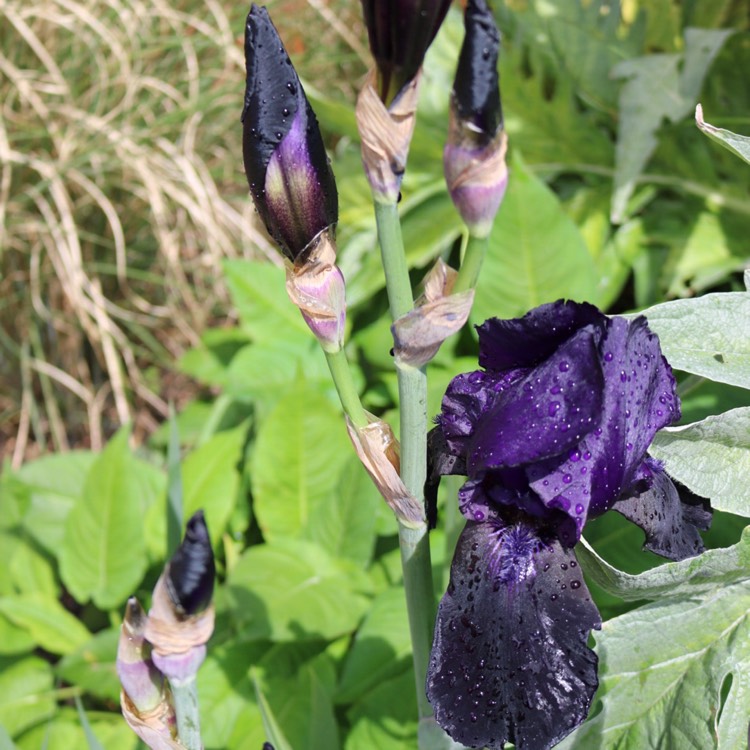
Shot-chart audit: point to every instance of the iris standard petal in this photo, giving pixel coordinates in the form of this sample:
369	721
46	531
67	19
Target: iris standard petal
545	413
510	660
476	90
671	526
526	341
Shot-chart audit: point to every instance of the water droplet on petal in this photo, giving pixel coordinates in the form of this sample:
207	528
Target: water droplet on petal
564	366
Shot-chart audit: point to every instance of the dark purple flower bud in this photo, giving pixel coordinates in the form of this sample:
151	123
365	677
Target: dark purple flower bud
476	90
553	431
287	168
474	155
400	32
191	571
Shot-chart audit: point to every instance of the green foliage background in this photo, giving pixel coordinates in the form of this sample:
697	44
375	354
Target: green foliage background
615	197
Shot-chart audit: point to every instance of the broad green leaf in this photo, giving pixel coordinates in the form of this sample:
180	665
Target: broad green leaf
662	668
14	639
55	483
24	693
737	144
31	572
536	253
92	666
657	87
385	718
708	336
697	575
380	650
259	293
65	732
103	556
300	451
345	524
292	590
210	478
54	628
711	457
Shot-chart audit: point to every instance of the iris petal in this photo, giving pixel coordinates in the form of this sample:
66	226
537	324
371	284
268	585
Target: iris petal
546	413
526	341
671	526
510	660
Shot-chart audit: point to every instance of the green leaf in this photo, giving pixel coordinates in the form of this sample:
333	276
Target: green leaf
386	718
270	725
293	590
345	524
259	293
50	624
55	483
64	731
536	253
92	666
6	743
737	144
103	556
175	508
91	741
24	693
657	87
711	457
708	336
30	571
697	575
300	451
381	648
663	668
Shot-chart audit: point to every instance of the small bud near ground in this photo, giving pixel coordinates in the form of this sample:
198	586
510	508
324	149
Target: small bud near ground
474	155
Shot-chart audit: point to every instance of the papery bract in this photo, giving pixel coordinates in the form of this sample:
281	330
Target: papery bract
553	431
287	168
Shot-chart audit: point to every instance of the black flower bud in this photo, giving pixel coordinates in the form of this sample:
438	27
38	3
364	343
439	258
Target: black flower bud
191	571
400	32
287	168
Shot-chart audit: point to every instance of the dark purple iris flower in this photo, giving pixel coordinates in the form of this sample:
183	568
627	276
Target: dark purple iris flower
287	168
191	572
400	32
553	431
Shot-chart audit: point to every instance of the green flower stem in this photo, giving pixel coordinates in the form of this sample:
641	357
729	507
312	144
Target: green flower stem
412	387
185	697
476	249
342	379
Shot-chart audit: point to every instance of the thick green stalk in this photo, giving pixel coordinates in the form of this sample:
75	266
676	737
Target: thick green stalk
342	379
412	386
471	264
185	697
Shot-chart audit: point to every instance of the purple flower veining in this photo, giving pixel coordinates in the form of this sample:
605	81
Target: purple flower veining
551	432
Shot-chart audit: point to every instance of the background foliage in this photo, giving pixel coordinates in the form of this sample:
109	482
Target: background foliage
132	274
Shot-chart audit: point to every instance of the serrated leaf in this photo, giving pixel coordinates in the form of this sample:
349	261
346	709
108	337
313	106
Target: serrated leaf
536	253
657	87
711	457
380	649
708	335
697	575
259	293
54	628
300	451
662	668
292	590
103	555
737	144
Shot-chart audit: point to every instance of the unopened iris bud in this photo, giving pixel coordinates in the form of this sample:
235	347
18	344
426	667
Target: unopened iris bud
400	32
181	618
474	156
287	168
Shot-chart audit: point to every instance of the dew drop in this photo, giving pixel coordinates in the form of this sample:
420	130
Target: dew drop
579	508
608	357
564	366
554	407
567	478
575	456
575	584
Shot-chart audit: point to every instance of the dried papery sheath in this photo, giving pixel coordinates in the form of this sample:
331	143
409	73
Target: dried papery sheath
287	168
474	155
181	618
400	31
379	452
437	314
145	699
316	285
386	135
